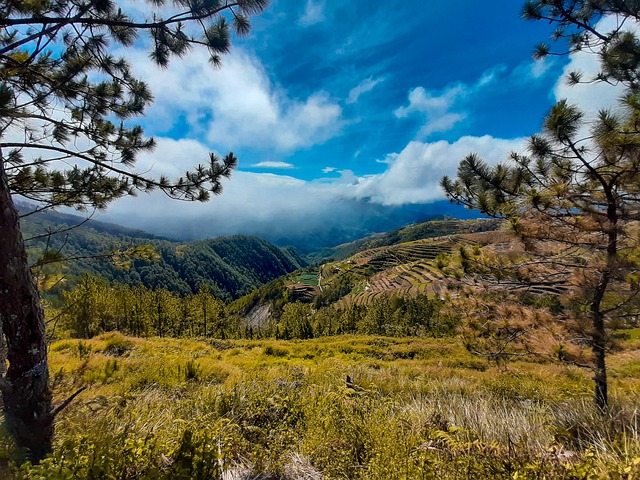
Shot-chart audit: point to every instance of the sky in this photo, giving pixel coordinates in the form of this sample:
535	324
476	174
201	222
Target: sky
345	111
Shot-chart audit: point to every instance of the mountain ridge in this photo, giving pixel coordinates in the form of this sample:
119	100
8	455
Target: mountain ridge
229	266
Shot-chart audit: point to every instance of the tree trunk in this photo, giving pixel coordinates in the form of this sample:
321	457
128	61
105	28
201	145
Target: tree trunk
599	335
599	354
25	389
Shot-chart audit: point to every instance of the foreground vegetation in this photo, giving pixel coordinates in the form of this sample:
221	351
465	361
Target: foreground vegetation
411	408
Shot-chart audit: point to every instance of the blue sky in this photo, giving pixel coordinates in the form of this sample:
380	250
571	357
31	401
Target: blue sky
335	107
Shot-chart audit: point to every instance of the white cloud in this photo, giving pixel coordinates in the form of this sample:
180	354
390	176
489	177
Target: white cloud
434	107
365	86
313	13
443	109
414	174
172	157
270	164
532	70
270	204
236	105
253	203
388	158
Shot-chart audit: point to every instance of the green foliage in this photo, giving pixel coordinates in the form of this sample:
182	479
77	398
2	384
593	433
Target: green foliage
229	266
83	350
190	371
402	415
295	322
95	307
275	351
117	345
340	285
386	315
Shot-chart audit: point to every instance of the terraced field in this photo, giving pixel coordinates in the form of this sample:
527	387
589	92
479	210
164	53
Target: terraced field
405	270
487	282
385	257
409	269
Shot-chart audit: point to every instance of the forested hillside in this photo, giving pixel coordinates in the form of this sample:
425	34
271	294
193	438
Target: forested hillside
435	227
63	248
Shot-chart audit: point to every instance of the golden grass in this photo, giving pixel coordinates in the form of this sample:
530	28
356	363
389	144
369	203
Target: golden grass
417	408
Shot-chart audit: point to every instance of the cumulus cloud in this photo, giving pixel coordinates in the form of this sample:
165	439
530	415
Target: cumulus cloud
272	205
172	157
443	109
532	71
414	174
278	206
365	86
269	205
236	105
270	164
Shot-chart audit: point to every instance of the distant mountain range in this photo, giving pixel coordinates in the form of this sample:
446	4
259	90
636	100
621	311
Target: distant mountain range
361	222
229	266
437	226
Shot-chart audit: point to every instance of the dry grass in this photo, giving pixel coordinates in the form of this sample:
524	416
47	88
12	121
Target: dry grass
417	408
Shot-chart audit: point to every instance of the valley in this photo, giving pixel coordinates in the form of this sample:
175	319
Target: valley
452	368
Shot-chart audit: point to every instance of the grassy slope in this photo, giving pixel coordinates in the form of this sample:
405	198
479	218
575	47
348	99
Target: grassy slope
419	231
421	408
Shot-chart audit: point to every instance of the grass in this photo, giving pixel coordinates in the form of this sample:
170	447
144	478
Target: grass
632	334
416	408
307	278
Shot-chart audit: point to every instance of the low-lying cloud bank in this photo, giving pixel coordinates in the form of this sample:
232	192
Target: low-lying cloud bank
322	212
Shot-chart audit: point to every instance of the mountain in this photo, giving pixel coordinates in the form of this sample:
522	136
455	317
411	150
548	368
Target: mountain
362	220
40	221
434	259
230	266
307	227
436	227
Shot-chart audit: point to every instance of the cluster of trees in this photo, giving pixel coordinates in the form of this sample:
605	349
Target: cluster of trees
95	306
230	266
386	315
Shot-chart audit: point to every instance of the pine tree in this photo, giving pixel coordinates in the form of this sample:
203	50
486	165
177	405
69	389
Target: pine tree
65	140
575	194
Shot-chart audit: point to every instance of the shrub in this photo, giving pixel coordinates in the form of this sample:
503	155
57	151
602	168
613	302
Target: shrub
275	351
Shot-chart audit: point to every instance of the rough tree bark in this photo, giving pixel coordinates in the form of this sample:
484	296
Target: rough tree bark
26	392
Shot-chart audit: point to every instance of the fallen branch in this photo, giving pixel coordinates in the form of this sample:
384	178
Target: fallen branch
66	403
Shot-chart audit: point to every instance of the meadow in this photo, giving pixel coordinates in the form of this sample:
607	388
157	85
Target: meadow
337	407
